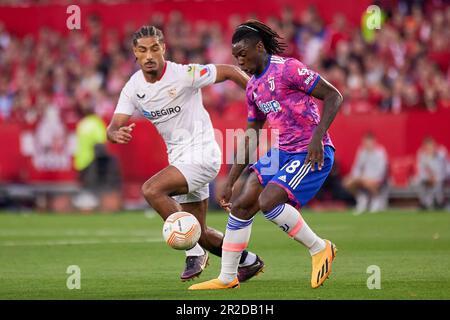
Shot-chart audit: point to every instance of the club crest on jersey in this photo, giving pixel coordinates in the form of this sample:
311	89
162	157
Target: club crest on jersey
271	83
271	106
140	96
172	92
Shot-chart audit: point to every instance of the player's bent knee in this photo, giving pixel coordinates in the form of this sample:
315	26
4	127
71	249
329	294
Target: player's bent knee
150	191
241	211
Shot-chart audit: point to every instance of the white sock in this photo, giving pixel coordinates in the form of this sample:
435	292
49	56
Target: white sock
291	222
249	259
235	241
196	251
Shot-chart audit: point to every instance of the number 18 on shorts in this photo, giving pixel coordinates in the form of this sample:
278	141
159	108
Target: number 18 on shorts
290	172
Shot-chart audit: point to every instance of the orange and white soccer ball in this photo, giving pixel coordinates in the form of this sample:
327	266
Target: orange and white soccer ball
181	230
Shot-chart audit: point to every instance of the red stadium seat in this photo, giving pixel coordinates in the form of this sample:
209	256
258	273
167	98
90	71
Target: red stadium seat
402	170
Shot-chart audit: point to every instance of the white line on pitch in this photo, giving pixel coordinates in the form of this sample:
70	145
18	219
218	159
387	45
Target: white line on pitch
74	232
76	242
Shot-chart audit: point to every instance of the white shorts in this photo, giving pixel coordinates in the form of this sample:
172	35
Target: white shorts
198	175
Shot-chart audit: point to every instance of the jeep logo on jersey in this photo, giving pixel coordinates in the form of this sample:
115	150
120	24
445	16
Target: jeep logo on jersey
152	115
267	107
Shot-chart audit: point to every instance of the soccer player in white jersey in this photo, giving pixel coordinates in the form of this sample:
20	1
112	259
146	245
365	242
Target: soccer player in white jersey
169	95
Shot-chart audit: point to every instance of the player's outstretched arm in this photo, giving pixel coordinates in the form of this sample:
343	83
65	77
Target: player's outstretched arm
118	131
332	100
224	195
233	73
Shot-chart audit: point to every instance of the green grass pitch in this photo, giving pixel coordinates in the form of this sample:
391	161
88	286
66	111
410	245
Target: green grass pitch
122	256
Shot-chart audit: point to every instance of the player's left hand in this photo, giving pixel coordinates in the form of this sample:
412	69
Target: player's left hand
315	154
224	196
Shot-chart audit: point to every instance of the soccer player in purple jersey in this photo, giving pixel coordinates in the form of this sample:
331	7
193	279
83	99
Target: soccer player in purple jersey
280	92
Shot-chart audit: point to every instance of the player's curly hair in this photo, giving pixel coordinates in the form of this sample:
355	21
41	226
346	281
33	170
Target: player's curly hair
254	29
148	31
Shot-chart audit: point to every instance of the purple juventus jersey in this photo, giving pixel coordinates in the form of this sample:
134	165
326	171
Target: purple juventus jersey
281	94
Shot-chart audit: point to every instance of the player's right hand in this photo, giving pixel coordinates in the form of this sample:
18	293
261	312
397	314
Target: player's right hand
224	196
123	134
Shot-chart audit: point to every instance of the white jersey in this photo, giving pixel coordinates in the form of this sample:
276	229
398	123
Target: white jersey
174	105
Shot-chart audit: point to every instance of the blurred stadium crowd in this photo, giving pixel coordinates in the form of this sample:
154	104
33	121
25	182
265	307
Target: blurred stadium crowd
403	66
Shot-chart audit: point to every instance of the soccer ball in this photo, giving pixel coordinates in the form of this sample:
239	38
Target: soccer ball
181	230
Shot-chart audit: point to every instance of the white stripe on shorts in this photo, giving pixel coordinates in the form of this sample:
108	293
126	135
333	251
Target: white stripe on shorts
297	175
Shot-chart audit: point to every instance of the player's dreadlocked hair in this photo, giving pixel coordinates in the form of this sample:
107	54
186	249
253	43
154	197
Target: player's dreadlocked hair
254	29
148	31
